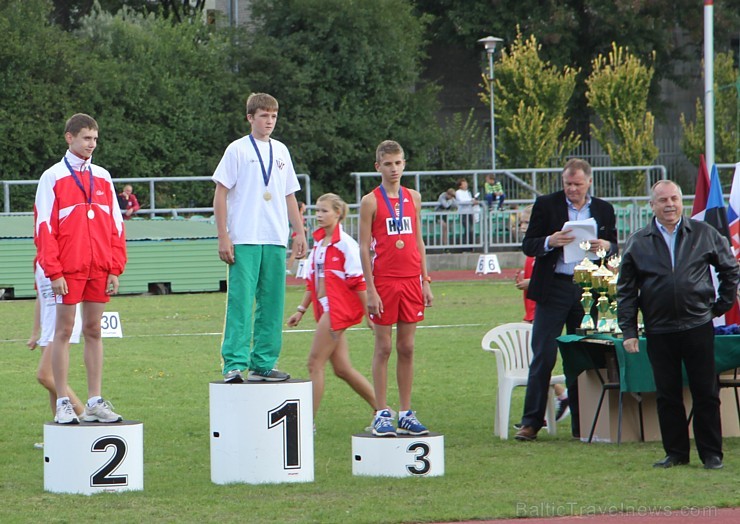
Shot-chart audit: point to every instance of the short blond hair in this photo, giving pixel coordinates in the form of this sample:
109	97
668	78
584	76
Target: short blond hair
388	147
257	101
336	203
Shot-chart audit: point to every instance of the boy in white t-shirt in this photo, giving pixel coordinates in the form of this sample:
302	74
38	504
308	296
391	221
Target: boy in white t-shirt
253	203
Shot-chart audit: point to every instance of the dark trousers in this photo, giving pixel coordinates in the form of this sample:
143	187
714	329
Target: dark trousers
562	308
695	349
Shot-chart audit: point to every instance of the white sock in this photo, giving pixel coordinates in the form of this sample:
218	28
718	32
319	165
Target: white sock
404	413
61	400
92	401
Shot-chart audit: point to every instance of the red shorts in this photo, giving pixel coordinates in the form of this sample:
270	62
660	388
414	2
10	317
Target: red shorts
402	300
84	290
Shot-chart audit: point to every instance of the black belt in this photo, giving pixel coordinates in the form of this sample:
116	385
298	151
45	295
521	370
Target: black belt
563	276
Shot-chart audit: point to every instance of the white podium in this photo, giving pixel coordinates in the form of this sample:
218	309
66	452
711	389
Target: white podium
401	456
262	432
487	264
91	458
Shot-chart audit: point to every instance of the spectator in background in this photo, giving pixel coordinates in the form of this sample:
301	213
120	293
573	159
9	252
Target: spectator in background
445	203
465	203
128	202
291	258
494	191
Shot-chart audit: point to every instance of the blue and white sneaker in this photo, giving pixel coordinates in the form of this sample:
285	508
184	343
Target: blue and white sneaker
408	424
383	424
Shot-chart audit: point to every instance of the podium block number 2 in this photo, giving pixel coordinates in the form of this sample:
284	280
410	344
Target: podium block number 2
103	477
286	415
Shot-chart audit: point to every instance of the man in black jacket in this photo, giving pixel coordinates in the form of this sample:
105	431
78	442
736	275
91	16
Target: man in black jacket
552	287
665	273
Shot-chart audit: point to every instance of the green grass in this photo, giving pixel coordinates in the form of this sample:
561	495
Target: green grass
159	374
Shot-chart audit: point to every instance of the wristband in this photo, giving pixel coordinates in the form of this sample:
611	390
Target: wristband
427	279
301	309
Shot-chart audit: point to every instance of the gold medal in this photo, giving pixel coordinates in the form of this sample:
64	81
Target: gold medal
400	244
267	196
90	214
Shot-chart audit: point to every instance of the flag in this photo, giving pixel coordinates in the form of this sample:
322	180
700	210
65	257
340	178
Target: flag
702	191
709	206
733	212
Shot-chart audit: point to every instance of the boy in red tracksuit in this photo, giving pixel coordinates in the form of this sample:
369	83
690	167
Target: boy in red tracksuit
398	285
82	250
336	288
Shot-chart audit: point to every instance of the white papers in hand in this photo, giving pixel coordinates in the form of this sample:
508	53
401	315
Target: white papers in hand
582	230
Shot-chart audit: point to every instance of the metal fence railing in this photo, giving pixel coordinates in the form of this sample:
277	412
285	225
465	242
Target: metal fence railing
147	200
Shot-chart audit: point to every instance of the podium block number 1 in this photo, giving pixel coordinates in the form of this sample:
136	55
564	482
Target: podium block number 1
286	415
103	477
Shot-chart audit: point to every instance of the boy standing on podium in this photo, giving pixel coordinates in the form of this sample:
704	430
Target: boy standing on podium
81	247
253	203
398	285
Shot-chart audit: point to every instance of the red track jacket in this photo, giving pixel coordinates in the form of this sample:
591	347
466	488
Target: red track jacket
69	242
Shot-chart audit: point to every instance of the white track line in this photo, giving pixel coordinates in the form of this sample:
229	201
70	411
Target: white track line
285	331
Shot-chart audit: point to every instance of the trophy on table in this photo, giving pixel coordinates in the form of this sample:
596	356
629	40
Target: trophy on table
613	263
582	276
600	281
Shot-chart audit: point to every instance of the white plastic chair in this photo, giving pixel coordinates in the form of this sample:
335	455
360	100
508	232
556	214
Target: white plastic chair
513	351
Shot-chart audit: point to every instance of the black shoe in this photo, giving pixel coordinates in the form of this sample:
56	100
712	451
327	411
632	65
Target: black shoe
233	377
563	409
713	462
671	460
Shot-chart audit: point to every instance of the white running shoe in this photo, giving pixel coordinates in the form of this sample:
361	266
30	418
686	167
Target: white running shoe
101	412
66	414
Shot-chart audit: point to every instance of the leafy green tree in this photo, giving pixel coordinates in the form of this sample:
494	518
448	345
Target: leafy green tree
572	32
531	100
726	139
37	78
346	75
70	13
617	92
165	97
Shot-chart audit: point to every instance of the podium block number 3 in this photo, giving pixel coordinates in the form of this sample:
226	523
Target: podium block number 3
286	415
103	477
422	464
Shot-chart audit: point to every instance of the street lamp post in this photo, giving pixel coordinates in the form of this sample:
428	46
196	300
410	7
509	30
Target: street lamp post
490	44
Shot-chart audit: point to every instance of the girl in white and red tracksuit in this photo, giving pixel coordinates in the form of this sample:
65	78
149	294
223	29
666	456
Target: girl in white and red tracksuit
336	288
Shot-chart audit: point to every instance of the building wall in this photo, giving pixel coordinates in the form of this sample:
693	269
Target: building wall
230	12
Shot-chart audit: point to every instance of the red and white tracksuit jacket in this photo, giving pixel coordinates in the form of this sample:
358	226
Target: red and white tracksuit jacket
69	242
343	279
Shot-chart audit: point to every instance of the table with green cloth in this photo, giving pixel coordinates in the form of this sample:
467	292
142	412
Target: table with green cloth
582	352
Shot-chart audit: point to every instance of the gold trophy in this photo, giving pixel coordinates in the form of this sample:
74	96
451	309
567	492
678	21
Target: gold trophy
582	276
600	279
612	292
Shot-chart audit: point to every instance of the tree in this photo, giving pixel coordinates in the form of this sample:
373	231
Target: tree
726	91
572	32
617	92
346	75
69	13
36	85
164	95
531	100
